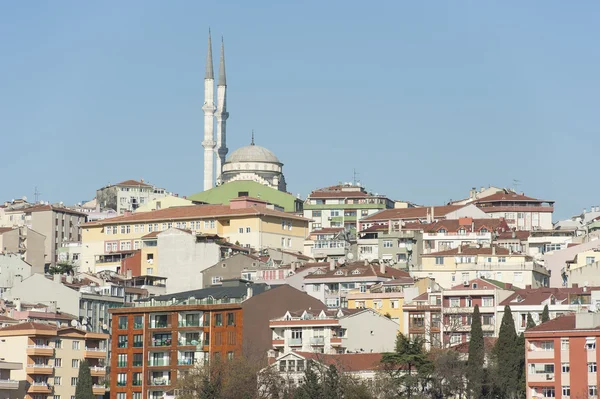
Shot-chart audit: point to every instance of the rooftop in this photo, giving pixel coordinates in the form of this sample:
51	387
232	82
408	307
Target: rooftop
347	362
474	250
412	213
359	269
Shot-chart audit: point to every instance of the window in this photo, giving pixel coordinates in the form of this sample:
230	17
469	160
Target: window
487	320
488	301
75	345
121	379
593	390
454	302
282	364
455	339
564	344
218	319
247	229
58	362
241	230
73	381
394	304
58	344
122	360
229	355
388	244
547	345
297	333
548	392
377	304
590	343
565	367
122	322
75	363
439	260
300	365
138	359
592	367
502	259
108	246
216	280
231	319
566	390
123	229
138	341
57	380
518	276
138	322
589	260
316	214
122	342
136	379
137	395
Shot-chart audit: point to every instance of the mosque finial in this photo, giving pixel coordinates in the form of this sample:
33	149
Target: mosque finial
252	142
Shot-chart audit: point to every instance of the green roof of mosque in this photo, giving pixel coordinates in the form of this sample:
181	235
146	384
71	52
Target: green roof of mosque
225	192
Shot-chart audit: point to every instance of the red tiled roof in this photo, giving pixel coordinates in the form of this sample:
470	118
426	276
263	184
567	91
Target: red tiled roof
535	296
327	230
156	233
572	244
508	196
5	229
520	235
44	208
453	225
481	284
195	211
370	270
348	362
247	198
493	209
412	213
376	228
133	183
7	319
565	322
473	250
29	326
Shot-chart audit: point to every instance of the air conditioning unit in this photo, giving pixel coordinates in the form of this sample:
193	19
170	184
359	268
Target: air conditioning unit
466	283
549	377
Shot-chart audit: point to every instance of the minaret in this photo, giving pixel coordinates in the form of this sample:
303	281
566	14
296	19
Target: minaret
209	111
221	114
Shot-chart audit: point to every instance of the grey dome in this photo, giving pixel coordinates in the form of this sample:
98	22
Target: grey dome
253	153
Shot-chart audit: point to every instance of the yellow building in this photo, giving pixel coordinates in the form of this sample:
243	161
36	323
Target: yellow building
167	201
588	257
245	221
51	357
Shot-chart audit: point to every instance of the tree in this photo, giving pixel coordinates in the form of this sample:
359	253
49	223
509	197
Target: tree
530	322
408	363
507	358
84	382
545	314
332	385
61	268
311	387
447	380
475	362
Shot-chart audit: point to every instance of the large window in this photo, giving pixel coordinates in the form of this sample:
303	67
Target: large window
138	341
231	319
122	379
138	322
439	260
218	319
122	322
122	342
138	359
122	360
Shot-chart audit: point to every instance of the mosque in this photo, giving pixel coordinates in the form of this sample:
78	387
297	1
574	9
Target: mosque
249	163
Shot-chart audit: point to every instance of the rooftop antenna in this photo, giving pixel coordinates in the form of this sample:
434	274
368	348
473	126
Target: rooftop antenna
36	194
516	184
354	176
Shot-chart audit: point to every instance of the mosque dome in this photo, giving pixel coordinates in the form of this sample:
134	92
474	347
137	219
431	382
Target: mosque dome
253	153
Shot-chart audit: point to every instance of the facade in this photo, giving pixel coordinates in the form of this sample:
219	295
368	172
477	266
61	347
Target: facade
27	243
392	244
56	223
328	243
127	196
162	202
542	242
465	263
13	270
423	318
157	339
70	253
342	206
332	285
8	385
235	267
557	262
244	221
52	356
561	357
333	331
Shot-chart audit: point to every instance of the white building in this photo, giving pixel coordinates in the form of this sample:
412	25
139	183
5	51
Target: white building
13	270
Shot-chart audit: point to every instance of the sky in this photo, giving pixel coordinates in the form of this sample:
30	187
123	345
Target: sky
424	99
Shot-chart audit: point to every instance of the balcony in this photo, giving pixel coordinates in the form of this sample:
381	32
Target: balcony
94	353
159	362
540	377
189	342
190	323
9	384
39	369
40	350
161	381
98	389
540	354
336	341
161	342
186	361
317	341
278	342
98	371
295	342
39	387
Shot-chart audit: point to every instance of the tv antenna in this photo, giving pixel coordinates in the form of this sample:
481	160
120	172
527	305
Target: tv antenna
355	175
36	194
516	184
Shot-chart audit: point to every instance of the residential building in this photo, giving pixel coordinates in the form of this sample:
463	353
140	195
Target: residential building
329	243
247	222
458	305
70	253
13	270
557	261
333	331
359	366
542	242
560	300
92	210
422	317
332	285
52	356
25	242
561	357
342	206
277	257
392	244
222	194
583	223
127	195
465	263
159	338
292	274
163	201
515	241
21	311
8	384
237	266
56	223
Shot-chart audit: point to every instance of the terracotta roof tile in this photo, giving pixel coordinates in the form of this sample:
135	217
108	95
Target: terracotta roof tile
473	250
565	322
370	270
411	213
29	326
535	296
348	362
518	235
133	183
508	196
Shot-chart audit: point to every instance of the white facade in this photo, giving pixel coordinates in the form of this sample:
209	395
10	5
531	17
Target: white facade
12	269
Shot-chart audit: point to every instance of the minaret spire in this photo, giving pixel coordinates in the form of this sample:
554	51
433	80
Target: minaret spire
252	142
209	124
221	114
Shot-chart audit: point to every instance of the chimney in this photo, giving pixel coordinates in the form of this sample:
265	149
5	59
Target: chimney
249	291
528	287
460	249
57	278
382	268
472	226
331	264
389	226
293	266
432	215
494	250
514	234
507	286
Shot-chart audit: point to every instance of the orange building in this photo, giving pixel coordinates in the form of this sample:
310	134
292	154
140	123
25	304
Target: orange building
561	357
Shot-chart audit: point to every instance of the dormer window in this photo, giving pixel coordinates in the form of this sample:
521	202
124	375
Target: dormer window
483	230
442	231
356	271
339	273
462	231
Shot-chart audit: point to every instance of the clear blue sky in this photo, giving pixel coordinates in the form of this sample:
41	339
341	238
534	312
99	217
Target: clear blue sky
424	99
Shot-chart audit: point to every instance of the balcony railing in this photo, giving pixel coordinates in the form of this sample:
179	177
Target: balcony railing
317	341
188	342
189	323
95	349
159	362
159	324
97	368
295	341
40	384
41	366
159	381
40	346
161	342
186	361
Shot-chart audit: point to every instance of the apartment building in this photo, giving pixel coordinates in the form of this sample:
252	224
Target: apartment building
157	339
26	243
244	221
56	223
467	262
52	356
561	357
390	243
422	317
332	285
458	305
342	206
237	266
328	243
333	331
127	196
560	300
13	269
8	384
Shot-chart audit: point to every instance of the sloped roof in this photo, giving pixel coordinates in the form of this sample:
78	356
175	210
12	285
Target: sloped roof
29	326
412	213
566	322
473	250
508	196
481	284
347	362
535	296
131	182
359	269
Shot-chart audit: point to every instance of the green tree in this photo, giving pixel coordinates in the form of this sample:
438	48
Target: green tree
407	363
332	385
530	322
84	382
475	362
507	356
311	387
448	379
61	268
545	314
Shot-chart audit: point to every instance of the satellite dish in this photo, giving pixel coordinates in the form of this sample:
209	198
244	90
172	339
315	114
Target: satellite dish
342	260
350	256
104	326
74	323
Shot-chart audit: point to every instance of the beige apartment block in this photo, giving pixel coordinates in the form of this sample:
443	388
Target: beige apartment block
51	357
8	385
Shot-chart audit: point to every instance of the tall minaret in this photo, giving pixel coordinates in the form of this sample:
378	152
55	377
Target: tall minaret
221	114
209	111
